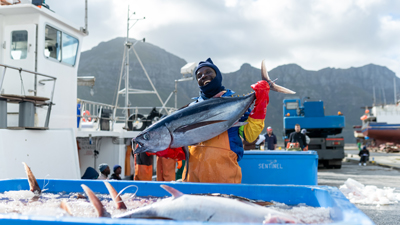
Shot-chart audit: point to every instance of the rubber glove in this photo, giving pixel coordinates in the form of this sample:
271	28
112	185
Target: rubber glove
262	99
170	153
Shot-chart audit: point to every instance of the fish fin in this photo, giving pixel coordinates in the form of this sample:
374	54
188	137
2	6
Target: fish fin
33	184
281	89
183	129
66	207
101	212
264	72
119	204
239	124
175	193
273	86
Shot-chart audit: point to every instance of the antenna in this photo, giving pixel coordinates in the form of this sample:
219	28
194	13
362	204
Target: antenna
384	97
373	91
394	88
130	46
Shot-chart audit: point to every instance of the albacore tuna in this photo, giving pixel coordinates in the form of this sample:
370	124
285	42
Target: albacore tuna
199	122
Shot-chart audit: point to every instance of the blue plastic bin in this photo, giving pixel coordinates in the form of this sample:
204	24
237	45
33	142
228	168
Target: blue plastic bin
343	212
279	167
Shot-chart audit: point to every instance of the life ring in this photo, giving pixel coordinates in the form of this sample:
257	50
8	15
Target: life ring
86	113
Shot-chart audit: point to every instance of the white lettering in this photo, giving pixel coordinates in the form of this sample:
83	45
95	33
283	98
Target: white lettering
272	164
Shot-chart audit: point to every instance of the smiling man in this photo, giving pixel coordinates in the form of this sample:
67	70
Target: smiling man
216	160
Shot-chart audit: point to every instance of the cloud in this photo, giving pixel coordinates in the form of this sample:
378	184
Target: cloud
314	34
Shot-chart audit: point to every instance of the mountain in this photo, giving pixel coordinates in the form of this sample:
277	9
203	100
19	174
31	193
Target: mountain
344	90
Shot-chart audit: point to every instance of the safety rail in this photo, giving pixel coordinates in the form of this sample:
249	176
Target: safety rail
90	111
36	100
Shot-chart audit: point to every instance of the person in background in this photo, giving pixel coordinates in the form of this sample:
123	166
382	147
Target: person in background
143	167
104	171
298	137
270	139
117	171
260	142
364	155
90	174
304	131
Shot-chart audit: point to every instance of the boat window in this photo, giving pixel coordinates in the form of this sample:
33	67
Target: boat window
19	44
52	47
292	105
69	49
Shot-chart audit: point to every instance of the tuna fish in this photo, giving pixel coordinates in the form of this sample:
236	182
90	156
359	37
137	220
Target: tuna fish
199	208
199	122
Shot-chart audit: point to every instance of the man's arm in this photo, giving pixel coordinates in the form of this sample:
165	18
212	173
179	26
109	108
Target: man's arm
275	142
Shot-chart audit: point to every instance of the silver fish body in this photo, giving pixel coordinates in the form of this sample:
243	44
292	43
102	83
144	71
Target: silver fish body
206	209
194	124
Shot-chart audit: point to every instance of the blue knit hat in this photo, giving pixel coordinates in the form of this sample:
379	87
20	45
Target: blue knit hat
102	167
215	86
116	167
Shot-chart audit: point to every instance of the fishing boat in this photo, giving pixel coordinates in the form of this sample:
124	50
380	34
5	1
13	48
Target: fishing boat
381	124
42	122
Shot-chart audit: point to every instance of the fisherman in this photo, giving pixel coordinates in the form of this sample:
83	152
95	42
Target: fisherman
143	166
90	174
104	171
216	160
270	139
117	171
364	155
165	169
298	137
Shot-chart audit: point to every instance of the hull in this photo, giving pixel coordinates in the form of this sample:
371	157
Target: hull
383	132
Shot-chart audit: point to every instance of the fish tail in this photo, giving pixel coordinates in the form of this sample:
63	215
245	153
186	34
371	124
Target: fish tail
114	195
66	207
33	184
101	212
273	86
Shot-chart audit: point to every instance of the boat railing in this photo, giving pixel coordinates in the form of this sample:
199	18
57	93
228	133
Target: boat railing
33	100
95	112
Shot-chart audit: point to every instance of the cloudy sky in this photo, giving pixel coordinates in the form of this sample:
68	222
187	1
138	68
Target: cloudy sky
311	33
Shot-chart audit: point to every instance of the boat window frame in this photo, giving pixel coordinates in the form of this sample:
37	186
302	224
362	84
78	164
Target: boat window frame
62	32
11	43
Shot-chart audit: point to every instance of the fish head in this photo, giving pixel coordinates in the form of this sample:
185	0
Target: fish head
155	139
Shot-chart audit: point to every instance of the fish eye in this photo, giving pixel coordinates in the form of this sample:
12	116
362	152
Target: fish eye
146	137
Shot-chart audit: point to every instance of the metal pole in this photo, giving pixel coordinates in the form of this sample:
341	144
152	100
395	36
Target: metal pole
127	74
176	94
384	96
2	79
86	17
394	84
119	86
373	91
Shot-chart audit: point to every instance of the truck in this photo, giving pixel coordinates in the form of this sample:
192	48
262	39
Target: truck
322	130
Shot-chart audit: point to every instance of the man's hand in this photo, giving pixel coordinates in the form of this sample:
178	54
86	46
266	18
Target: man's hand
262	99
